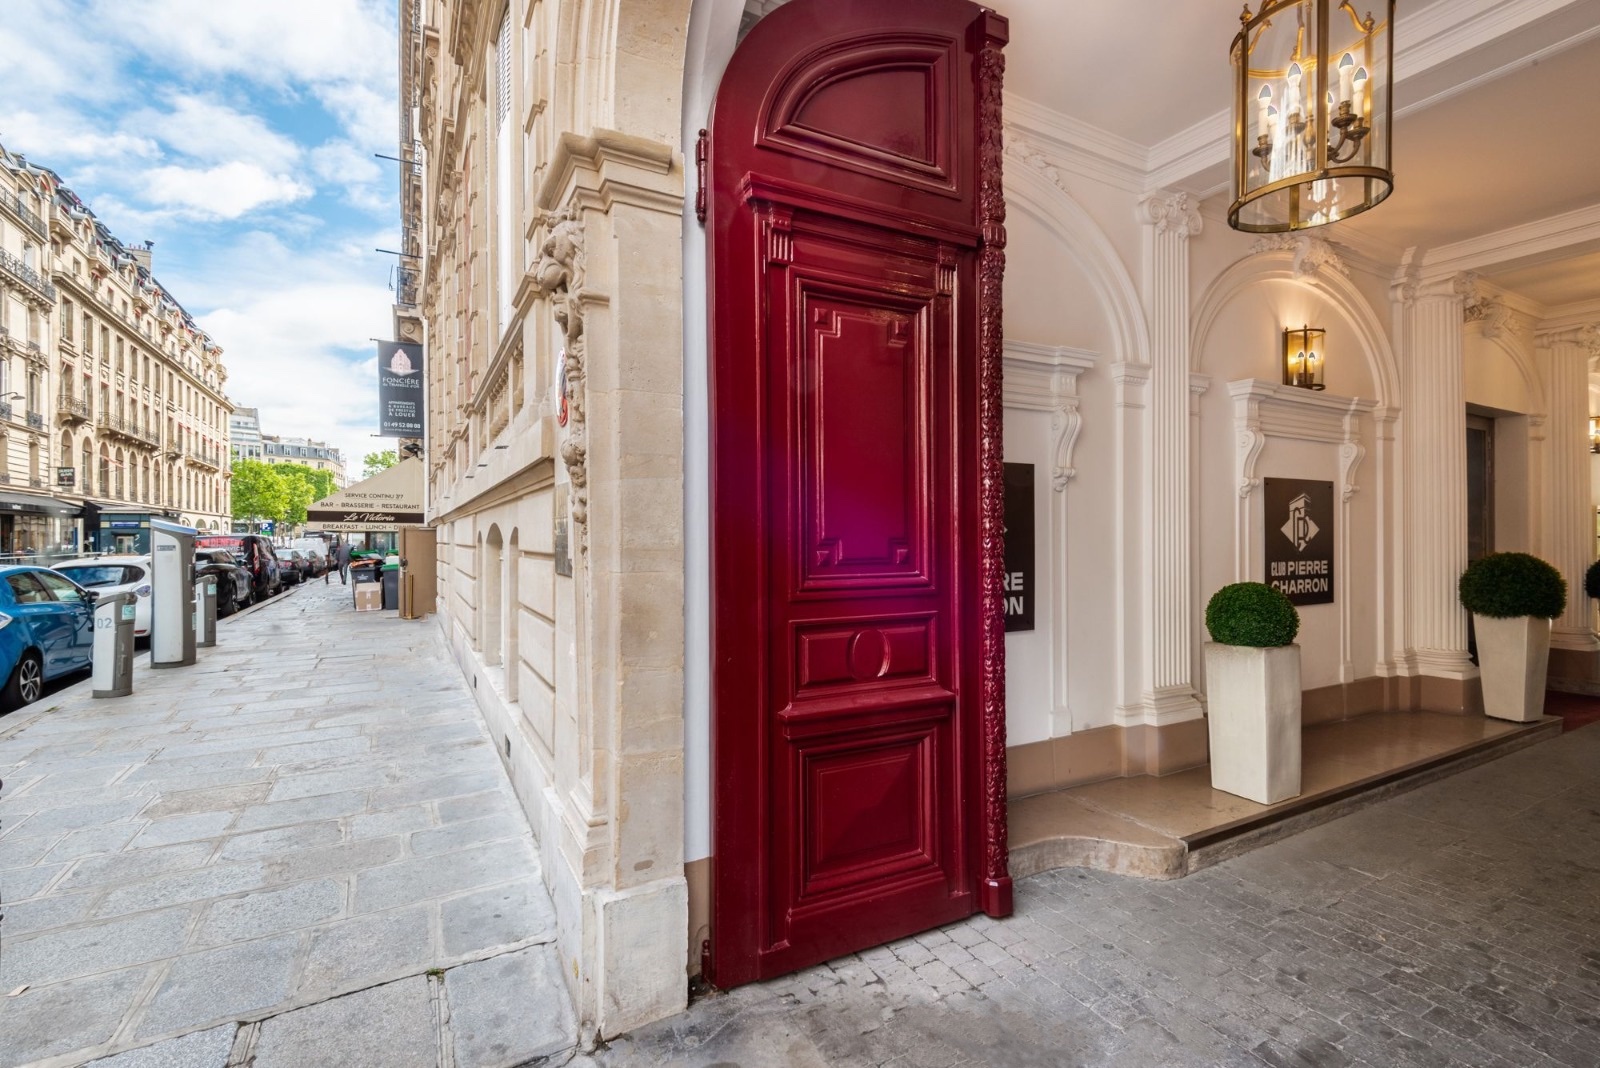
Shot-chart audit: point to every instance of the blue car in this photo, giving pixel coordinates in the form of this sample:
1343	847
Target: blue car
46	631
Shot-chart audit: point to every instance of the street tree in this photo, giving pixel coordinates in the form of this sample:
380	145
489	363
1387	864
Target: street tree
258	493
373	462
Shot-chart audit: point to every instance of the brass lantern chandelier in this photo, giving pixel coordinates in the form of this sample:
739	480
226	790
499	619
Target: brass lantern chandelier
1312	111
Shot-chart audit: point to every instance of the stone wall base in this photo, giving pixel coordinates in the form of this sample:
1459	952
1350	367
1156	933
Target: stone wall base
1575	671
622	952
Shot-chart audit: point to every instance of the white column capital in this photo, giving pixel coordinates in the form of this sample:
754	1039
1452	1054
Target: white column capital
1582	338
1171	213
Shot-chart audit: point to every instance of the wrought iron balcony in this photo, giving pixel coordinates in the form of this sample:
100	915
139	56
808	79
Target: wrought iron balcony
29	277
36	482
36	420
5	410
70	409
26	215
205	459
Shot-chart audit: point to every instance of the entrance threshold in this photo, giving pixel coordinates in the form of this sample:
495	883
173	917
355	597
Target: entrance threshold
1168	827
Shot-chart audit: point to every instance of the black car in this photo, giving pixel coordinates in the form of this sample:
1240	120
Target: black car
255	554
294	566
234	588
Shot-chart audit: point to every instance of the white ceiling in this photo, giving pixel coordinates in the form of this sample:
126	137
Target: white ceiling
1497	104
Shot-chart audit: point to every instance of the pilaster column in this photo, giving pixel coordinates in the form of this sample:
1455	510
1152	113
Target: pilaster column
1168	694
1435	437
1568	541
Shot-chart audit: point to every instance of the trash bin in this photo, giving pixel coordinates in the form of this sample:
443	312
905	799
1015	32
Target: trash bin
391	586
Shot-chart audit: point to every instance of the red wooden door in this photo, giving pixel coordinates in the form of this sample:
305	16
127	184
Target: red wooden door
858	727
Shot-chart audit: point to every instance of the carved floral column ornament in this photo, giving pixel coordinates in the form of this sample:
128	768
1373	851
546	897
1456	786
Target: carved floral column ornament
559	276
995	881
1168	694
1311	254
1569	524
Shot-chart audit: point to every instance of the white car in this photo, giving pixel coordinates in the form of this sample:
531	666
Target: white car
115	574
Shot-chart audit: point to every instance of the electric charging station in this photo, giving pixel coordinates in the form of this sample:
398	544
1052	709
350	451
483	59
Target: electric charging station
172	607
112	673
205	611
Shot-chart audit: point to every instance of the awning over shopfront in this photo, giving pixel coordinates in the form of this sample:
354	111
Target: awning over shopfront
385	502
14	503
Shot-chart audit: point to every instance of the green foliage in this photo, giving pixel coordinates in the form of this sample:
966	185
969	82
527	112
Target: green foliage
1252	614
321	482
373	462
258	492
1591	580
1507	585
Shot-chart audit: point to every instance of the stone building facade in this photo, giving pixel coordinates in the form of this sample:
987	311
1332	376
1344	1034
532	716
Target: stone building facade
560	285
317	455
118	396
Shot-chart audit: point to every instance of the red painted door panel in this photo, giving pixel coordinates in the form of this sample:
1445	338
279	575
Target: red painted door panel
846	482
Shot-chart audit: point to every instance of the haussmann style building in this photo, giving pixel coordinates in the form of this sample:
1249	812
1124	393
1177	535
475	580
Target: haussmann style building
839	415
113	404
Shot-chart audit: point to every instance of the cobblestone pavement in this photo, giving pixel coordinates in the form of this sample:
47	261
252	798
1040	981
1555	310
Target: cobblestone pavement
1456	925
302	850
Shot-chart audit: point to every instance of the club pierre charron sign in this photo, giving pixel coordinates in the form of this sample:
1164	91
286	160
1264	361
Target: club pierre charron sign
1299	538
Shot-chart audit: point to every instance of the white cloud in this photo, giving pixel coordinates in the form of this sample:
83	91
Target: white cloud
209	131
225	191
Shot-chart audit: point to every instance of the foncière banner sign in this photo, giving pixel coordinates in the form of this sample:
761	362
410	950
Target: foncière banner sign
1299	538
399	390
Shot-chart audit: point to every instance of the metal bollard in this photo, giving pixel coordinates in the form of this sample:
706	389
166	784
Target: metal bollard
112	671
205	612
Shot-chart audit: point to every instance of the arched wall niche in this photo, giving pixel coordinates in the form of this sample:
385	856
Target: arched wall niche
1252	428
1501	381
1066	294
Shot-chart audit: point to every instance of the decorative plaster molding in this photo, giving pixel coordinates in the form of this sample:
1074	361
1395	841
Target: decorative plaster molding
1263	410
559	275
1174	213
1130	379
1585	337
1311	254
1491	313
1044	378
1030	154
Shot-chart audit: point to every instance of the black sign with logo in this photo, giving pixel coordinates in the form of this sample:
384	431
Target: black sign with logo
66	476
1299	539
399	390
1019	576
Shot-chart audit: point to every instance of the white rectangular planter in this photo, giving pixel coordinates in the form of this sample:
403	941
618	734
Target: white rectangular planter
1513	656
1253	719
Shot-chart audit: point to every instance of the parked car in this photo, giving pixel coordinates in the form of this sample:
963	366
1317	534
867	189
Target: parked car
292	562
316	554
46	631
255	554
234	589
115	574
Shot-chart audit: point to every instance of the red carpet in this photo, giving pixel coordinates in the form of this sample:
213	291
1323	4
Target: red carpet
1575	709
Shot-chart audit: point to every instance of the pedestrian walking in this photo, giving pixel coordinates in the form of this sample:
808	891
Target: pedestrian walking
344	563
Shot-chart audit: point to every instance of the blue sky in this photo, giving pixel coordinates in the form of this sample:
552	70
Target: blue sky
238	135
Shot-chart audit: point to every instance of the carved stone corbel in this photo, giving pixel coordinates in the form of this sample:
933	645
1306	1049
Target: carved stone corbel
1311	254
559	275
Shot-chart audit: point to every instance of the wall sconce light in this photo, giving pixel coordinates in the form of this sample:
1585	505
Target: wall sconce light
1594	433
1303	357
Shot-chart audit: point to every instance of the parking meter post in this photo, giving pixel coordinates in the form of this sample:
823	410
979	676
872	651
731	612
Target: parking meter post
172	602
205	612
112	671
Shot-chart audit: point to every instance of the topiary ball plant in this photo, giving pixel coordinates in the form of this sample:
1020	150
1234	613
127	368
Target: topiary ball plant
1252	614
1591	580
1508	585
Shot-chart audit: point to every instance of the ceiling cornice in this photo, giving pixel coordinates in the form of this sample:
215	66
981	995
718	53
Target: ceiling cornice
1077	146
1523	245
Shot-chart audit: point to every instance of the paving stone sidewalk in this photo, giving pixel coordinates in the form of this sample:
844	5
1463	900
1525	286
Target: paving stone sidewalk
1456	925
302	850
